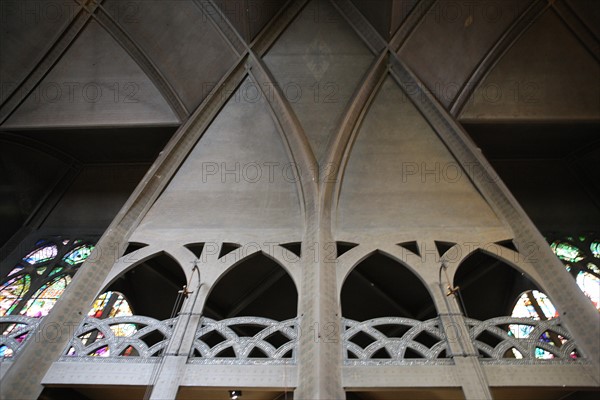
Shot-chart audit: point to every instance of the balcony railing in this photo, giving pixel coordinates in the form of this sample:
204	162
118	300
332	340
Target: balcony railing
256	340
246	340
130	336
508	338
14	332
393	340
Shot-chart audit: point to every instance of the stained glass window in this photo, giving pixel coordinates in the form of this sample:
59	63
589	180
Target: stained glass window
12	292
5	352
35	284
45	297
534	305
567	252
42	254
78	255
110	305
101	352
593	268
530	303
15	270
124	329
595	248
590	285
580	255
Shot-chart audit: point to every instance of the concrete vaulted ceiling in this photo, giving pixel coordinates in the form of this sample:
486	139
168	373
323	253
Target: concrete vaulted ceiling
450	46
176	55
319	62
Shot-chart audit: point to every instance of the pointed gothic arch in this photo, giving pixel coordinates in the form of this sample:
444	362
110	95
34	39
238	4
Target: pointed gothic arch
490	285
257	285
387	288
150	285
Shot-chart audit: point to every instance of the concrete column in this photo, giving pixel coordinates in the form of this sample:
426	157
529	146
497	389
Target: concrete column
319	350
168	376
467	369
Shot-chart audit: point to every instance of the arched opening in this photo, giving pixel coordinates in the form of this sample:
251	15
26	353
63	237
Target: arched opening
382	287
535	305
255	299
110	305
383	304
489	287
258	286
522	321
151	288
118	314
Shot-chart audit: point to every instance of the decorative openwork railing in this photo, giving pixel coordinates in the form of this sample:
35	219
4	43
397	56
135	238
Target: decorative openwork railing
130	336
393	339
245	340
506	338
14	331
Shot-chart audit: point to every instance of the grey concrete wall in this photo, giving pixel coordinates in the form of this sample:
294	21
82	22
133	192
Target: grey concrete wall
318	62
238	177
400	176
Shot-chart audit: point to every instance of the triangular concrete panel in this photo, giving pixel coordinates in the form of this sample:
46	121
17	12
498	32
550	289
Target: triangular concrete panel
318	62
400	176
546	75
463	32
95	83
238	176
191	53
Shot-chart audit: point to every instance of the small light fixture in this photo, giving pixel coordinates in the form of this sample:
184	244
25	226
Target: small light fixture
235	394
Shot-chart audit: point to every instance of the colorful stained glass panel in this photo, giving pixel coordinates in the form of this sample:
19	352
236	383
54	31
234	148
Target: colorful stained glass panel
101	352
12	292
15	270
595	248
566	251
120	307
593	268
44	299
78	255
5	352
123	329
42	254
526	309
590	285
